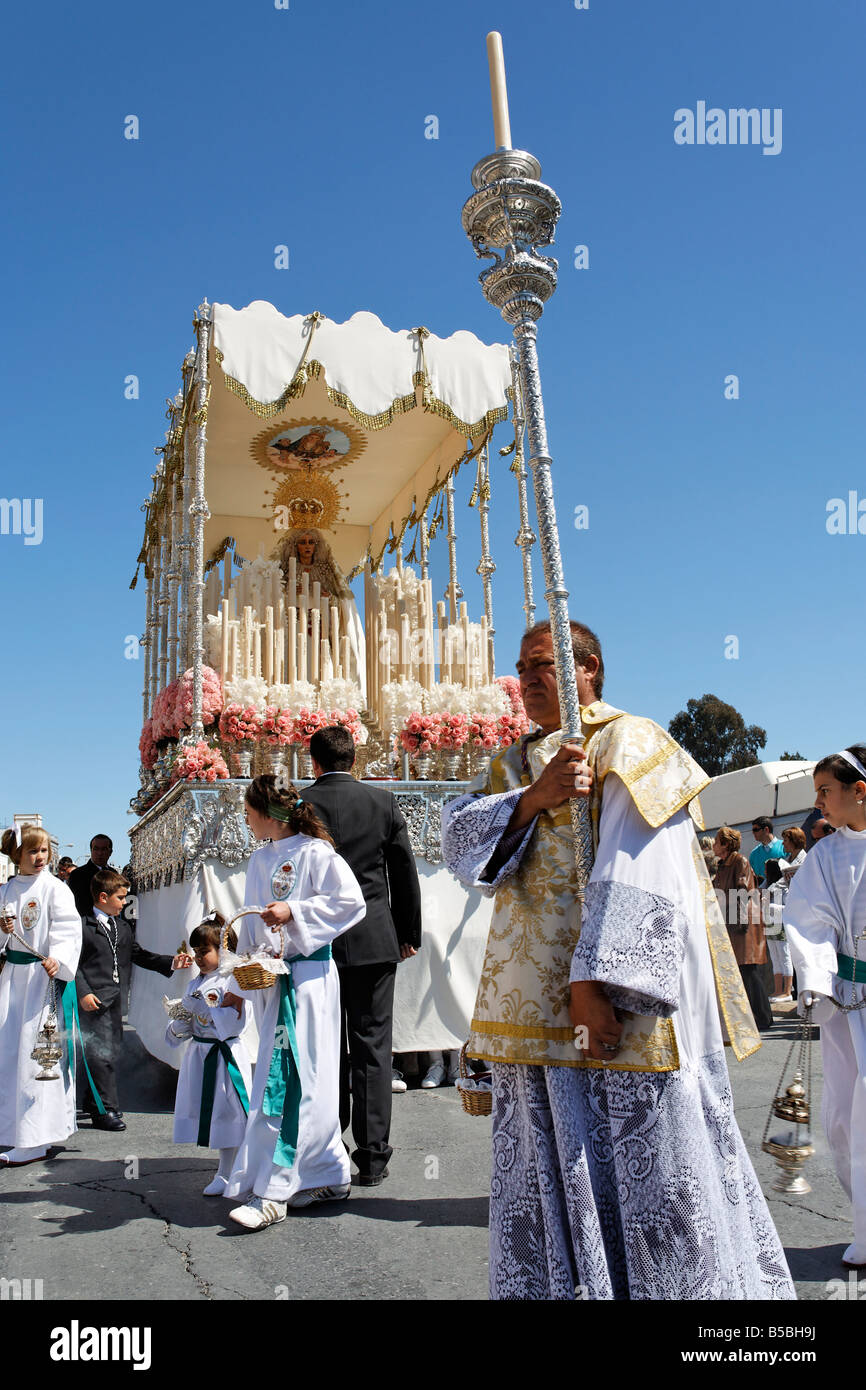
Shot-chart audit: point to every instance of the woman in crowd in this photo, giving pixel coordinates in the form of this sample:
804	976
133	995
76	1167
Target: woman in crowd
735	888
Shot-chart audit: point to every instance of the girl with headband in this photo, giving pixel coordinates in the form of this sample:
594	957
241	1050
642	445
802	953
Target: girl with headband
292	1152
825	923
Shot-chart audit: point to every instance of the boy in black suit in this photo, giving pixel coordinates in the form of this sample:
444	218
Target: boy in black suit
108	948
370	833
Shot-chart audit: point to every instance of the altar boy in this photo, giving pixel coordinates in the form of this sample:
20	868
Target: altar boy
108	948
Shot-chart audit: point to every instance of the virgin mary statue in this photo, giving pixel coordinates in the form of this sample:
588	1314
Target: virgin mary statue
313	556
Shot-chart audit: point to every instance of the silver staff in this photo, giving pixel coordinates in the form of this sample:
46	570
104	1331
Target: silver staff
507	218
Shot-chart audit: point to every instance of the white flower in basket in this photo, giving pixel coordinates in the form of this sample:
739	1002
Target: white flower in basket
448	697
176	1009
489	702
246	691
293	698
336	693
399	700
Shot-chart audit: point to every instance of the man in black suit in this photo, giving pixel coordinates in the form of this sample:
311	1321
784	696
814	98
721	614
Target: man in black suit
79	880
370	833
108	950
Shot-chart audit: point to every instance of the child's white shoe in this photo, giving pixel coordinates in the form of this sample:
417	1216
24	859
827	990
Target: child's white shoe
217	1187
258	1213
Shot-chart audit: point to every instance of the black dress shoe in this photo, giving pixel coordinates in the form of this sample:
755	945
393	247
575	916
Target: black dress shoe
110	1120
369	1179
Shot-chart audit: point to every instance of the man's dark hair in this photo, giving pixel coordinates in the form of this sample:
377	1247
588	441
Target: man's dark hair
64	861
333	749
762	823
102	837
584	643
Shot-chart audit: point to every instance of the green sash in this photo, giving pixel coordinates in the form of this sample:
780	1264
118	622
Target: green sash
849	969
71	1021
219	1048
283	1090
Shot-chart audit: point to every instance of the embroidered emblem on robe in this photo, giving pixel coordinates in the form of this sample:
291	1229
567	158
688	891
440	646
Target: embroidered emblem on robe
283	881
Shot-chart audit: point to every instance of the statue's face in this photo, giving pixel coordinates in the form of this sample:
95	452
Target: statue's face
306	549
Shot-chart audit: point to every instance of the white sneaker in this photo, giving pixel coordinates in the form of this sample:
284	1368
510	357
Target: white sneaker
216	1187
258	1213
309	1195
435	1076
398	1085
781	999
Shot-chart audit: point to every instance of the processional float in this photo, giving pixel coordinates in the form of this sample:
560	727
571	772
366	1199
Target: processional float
288	431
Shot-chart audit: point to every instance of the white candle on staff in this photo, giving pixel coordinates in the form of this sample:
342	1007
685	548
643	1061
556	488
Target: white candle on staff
498	91
314	645
224	640
293	582
293	645
269	645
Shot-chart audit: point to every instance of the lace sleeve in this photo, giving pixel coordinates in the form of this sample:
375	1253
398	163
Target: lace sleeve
633	942
472	827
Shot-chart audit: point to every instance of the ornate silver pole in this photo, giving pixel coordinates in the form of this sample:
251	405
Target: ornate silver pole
199	512
455	593
525	538
186	499
486	567
513	213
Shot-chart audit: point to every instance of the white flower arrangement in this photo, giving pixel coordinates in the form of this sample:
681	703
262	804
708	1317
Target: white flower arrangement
336	693
489	702
448	697
247	691
259	583
295	697
399	700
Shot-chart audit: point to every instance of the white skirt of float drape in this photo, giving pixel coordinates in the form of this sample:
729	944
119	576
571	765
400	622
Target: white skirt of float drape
321	1159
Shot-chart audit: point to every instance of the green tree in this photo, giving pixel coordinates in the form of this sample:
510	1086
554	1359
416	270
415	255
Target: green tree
787	757
717	736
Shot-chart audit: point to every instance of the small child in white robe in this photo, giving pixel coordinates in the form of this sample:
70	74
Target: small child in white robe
292	1153
825	923
215	1081
41	910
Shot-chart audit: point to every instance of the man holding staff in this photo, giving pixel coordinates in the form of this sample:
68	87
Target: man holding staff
618	1168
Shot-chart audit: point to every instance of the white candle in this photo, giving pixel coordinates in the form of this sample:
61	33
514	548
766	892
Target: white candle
293	645
303	674
227	574
498	92
324	659
406	646
335	633
233	652
248	639
323	606
224	640
257	649
314	646
269	645
293	582
279	656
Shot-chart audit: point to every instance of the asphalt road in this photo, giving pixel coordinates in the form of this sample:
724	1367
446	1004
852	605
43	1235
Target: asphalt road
121	1216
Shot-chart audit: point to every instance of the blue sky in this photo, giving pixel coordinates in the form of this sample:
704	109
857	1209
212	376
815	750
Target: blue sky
306	126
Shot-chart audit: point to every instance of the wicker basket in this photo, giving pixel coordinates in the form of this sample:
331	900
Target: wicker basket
254	975
474	1102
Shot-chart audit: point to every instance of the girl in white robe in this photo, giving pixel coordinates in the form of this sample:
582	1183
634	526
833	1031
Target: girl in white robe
292	1152
215	1081
825	923
34	1114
